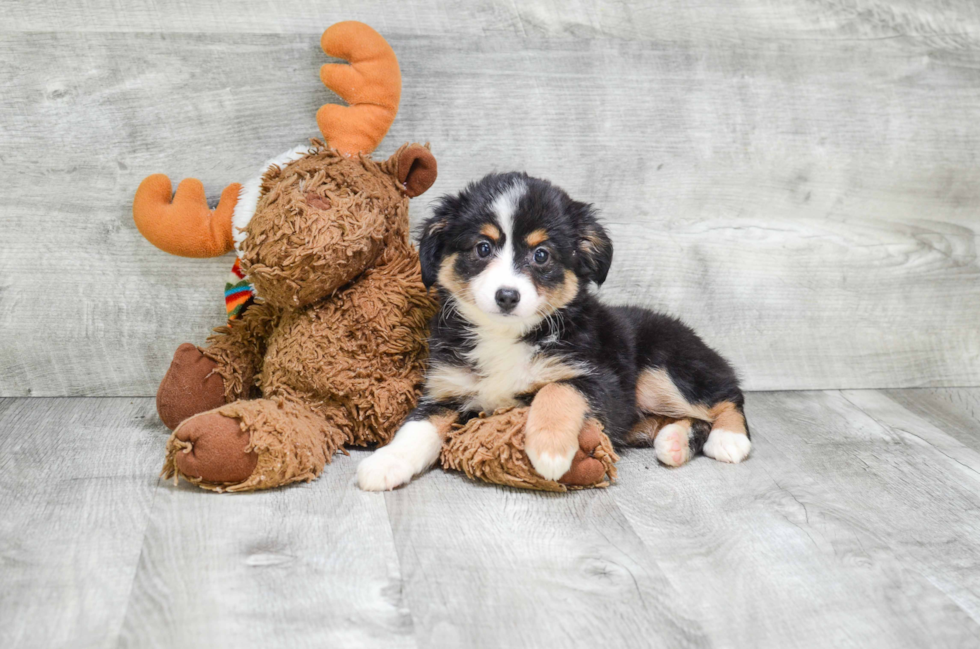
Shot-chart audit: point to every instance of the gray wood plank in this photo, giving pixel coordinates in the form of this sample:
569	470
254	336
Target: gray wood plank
852	524
487	566
808	205
838	531
241	16
314	564
955	410
77	479
950	24
918	430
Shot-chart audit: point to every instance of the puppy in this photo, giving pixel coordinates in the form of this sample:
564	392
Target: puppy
513	258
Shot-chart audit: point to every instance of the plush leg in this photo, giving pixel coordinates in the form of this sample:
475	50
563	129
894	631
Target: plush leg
492	449
239	349
191	386
277	442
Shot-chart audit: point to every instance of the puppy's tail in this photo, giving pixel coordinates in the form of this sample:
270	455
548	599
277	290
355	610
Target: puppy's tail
700	429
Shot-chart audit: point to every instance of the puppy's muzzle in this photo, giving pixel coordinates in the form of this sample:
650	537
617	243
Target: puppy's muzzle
507	299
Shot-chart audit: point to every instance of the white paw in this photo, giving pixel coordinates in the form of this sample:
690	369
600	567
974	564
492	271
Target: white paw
672	446
726	446
383	470
549	465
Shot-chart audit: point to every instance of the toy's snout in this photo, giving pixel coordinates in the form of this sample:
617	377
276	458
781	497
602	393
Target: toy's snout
303	247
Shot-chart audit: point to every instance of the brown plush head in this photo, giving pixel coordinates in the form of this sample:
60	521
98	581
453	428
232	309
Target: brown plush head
324	219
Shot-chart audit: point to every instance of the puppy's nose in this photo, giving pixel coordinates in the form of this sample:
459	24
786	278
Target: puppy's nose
507	299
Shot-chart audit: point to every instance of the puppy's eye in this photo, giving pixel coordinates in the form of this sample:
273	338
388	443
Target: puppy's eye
541	256
483	249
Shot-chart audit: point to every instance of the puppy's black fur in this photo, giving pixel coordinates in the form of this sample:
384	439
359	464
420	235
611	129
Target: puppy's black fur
614	344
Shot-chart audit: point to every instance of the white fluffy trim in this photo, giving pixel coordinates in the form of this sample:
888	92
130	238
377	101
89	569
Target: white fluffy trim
248	197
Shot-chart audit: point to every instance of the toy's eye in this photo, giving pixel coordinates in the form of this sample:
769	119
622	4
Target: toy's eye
483	249
540	256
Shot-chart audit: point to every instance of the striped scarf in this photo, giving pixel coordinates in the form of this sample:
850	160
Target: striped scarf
239	293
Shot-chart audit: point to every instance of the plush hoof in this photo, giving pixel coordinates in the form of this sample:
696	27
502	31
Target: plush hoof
586	469
214	448
190	387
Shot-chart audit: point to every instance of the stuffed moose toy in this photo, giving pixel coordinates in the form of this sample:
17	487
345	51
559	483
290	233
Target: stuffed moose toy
333	349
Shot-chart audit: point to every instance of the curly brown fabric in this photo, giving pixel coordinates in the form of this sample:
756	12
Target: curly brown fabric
238	350
337	336
492	449
292	443
320	222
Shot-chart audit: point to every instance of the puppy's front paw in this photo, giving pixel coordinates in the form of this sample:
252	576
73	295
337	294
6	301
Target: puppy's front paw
726	446
383	470
552	463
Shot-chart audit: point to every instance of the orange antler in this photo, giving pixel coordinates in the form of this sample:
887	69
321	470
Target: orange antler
371	84
186	226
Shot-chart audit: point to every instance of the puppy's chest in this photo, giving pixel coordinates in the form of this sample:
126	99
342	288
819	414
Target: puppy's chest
498	370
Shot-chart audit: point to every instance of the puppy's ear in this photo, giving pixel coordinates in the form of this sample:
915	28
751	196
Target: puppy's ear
594	249
433	239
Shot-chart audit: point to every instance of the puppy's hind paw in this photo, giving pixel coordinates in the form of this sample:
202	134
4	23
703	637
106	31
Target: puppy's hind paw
383	471
672	445
727	446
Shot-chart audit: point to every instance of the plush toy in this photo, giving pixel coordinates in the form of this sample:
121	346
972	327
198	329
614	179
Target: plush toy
332	350
492	449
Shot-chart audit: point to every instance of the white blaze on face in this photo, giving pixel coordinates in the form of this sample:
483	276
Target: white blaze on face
501	273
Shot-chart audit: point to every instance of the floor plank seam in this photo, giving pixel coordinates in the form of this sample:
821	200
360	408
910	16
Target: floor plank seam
402	583
161	483
897	429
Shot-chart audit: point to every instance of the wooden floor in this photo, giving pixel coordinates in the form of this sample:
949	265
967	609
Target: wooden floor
856	522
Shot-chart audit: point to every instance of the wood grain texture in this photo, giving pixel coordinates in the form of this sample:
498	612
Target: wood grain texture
77	480
314	563
955	410
840	530
853	523
944	23
799	183
495	567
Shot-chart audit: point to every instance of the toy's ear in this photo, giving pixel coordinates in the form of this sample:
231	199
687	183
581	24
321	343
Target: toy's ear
435	237
417	169
594	250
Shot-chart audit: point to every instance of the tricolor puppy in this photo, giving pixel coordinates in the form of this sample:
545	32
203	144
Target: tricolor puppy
513	258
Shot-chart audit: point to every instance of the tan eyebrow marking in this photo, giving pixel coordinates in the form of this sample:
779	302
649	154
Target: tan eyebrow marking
490	230
537	237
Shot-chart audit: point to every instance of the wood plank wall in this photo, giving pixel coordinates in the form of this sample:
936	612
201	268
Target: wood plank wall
799	180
